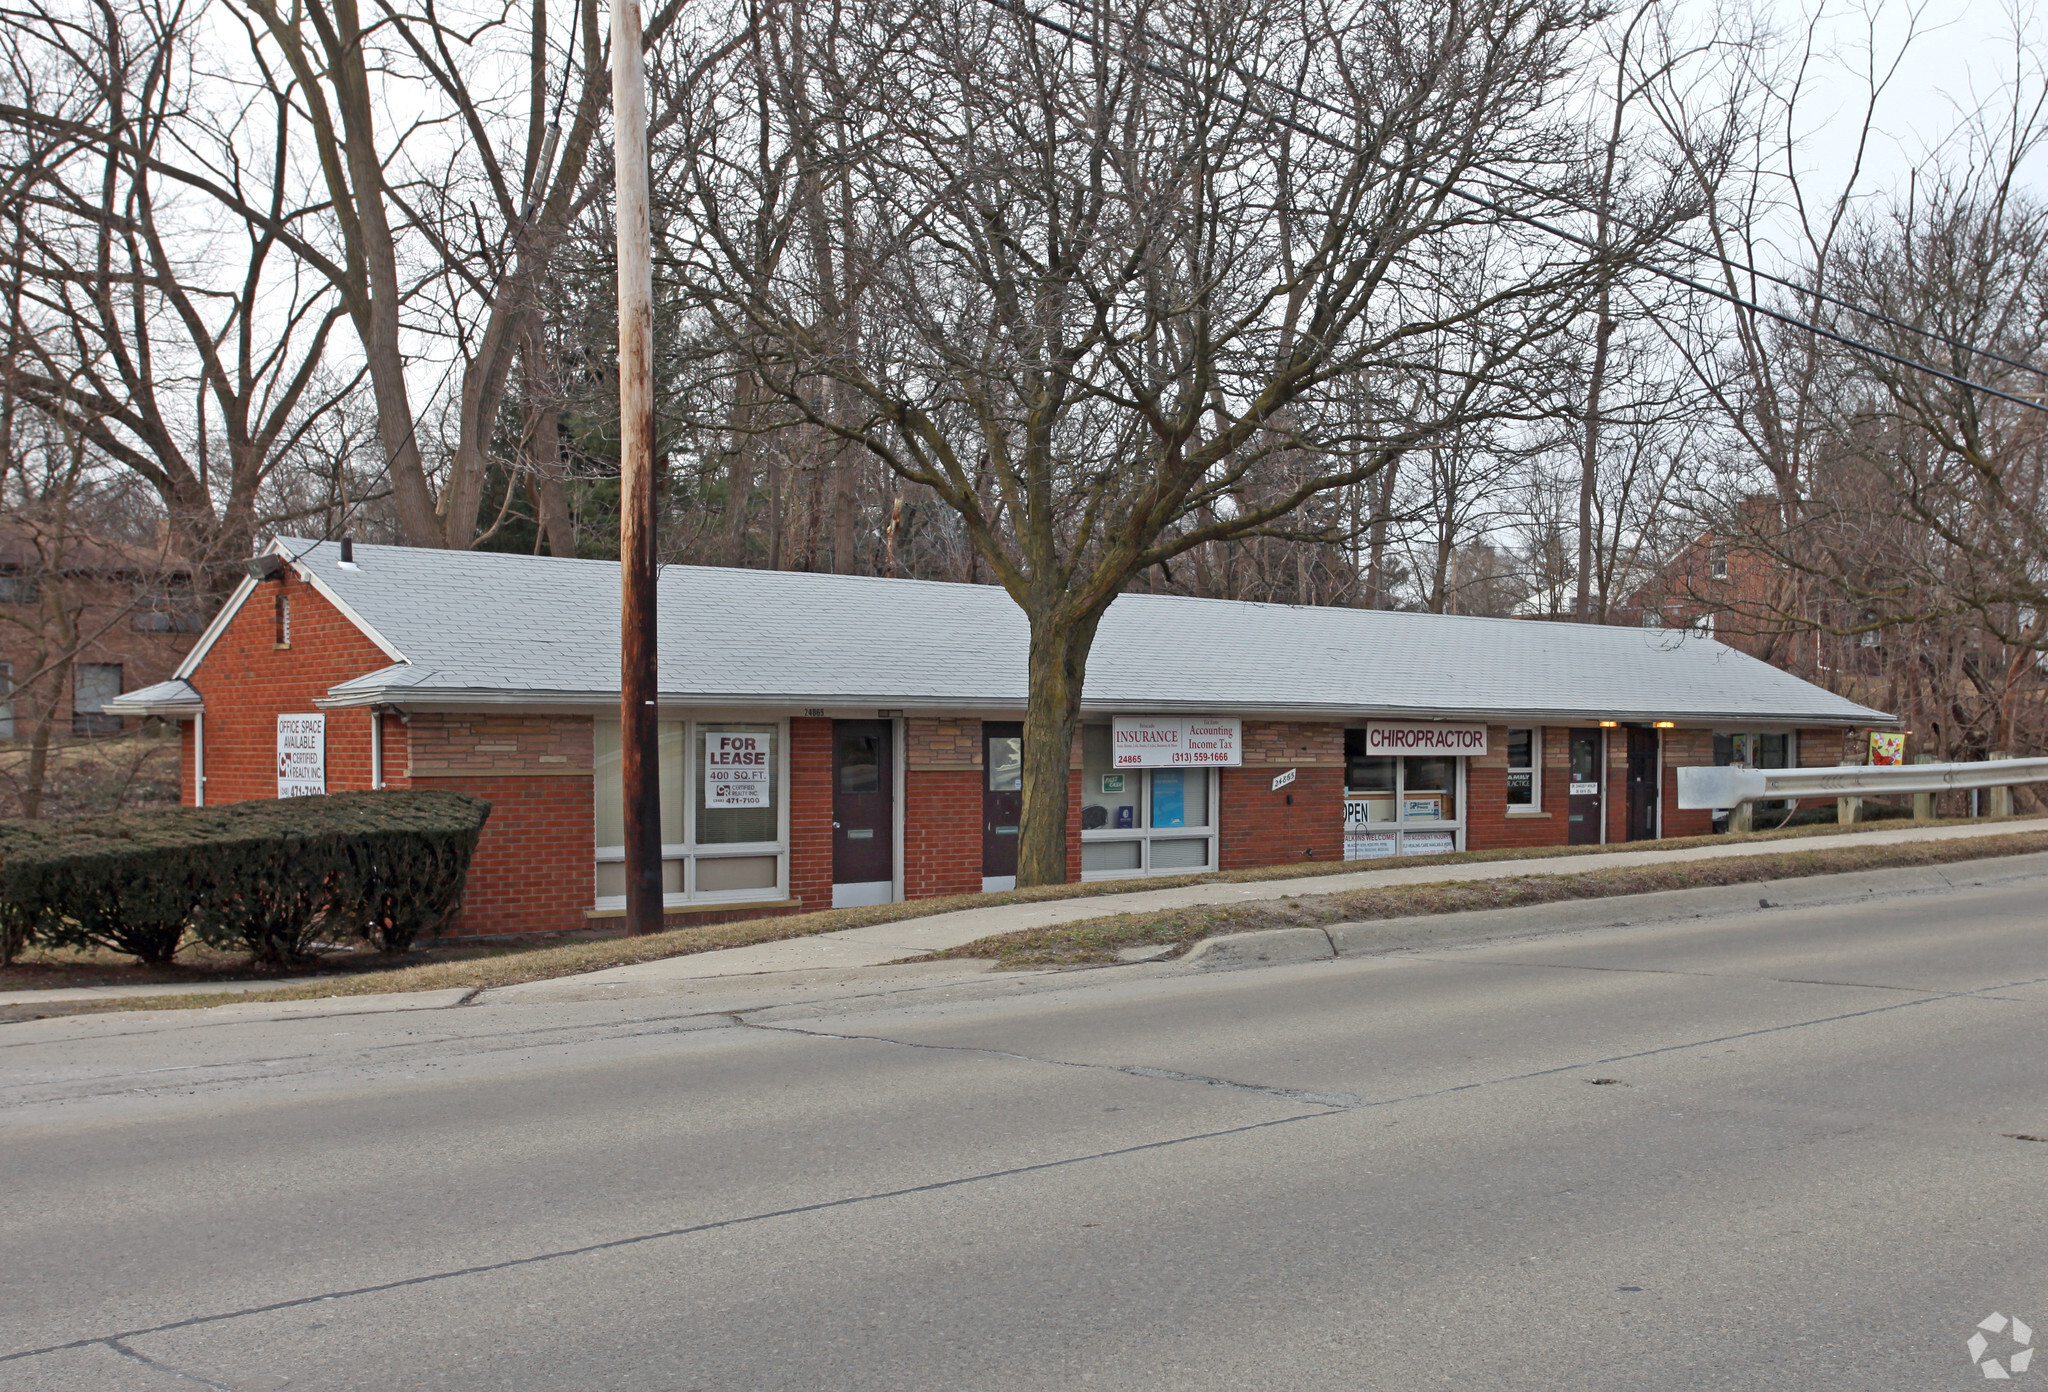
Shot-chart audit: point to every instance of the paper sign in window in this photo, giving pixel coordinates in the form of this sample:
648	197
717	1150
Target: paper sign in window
736	768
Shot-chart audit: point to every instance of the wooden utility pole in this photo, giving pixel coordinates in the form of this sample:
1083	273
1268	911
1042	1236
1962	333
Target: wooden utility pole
639	743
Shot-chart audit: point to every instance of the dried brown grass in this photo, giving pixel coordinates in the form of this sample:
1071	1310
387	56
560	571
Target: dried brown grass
1099	940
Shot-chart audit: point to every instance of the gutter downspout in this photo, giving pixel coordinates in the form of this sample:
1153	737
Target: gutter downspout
199	759
376	748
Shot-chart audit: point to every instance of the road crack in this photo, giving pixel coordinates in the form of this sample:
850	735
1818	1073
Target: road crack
146	1361
1336	1101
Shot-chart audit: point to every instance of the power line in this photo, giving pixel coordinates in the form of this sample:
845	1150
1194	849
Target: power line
1302	128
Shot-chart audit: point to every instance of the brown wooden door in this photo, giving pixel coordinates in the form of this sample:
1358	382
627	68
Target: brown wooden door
1002	796
1642	784
863	820
1582	795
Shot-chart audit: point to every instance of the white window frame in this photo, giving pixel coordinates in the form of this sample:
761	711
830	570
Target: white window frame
1399	828
1750	733
1146	833
1535	805
690	853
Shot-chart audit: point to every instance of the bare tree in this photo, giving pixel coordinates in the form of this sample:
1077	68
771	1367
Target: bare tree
1108	275
185	350
439	230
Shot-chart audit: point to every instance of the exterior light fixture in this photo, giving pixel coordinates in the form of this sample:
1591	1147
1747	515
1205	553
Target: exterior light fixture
1609	724
1664	725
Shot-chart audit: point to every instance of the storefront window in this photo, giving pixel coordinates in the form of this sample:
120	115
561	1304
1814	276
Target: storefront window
1763	750
1371	780
1180	797
736	792
1399	806
1125	811
1429	790
727	776
1524	750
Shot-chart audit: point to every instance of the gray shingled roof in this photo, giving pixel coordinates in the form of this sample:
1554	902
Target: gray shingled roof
487	627
173	697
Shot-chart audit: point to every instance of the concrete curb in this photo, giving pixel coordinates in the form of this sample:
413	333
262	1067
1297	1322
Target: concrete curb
236	1011
1377	936
1269	947
168	988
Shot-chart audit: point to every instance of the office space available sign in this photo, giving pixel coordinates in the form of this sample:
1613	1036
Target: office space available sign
1461	741
1142	741
736	768
301	755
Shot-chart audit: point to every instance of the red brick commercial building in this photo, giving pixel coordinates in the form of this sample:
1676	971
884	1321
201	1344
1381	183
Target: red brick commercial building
835	739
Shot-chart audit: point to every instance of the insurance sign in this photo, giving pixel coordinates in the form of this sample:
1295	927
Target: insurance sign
1144	741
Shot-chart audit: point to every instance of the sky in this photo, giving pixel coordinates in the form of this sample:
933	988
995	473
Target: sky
1961	55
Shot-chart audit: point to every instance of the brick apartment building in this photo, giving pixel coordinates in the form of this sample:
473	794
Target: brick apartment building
81	621
842	740
1731	585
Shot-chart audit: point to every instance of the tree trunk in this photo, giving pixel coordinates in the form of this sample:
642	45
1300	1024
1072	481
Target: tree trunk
377	321
845	511
1589	462
38	767
739	474
1376	552
543	427
1057	664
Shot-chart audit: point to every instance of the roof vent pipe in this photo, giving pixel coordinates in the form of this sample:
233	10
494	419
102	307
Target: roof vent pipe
348	550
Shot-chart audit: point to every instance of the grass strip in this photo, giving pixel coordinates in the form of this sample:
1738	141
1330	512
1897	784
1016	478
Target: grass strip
1097	941
512	965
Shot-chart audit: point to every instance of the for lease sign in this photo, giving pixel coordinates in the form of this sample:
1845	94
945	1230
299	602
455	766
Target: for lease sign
736	765
1462	740
301	755
1141	741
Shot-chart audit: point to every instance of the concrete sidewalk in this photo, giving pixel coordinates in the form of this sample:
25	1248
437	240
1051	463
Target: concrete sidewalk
890	942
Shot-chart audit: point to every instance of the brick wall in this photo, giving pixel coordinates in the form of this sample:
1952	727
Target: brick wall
942	814
810	811
1295	744
941	832
248	681
1685	749
1487	823
1827	748
1303	821
1260	826
499	741
941	743
1615	804
533	871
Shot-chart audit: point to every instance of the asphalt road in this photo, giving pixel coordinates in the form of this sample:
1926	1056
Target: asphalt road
1761	1149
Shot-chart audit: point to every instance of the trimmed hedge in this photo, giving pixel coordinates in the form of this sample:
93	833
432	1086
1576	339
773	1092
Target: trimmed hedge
273	877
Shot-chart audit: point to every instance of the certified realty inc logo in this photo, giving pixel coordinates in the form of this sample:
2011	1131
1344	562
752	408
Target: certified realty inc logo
2013	1351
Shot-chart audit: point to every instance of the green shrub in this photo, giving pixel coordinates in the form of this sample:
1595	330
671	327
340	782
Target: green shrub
272	877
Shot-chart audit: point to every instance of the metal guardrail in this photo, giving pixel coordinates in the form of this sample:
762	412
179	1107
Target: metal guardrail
1702	788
